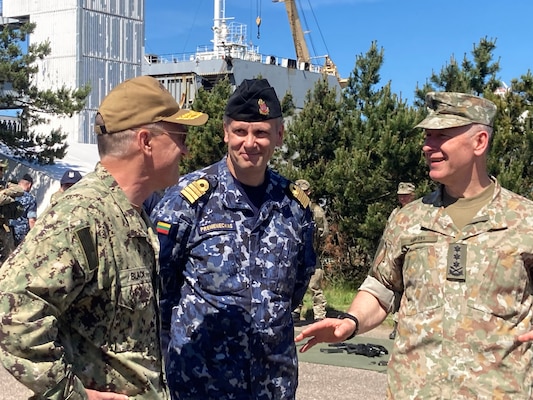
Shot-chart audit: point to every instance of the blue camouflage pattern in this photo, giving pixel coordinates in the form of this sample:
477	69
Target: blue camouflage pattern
21	225
229	283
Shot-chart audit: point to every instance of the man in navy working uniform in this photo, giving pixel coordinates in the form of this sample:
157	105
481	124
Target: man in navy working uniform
236	258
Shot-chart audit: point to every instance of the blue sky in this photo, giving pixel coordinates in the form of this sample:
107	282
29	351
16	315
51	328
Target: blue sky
418	36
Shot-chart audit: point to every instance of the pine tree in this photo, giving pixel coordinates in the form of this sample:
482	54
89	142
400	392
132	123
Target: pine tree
206	143
17	72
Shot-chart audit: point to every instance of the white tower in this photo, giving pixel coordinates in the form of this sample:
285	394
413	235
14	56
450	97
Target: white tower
93	42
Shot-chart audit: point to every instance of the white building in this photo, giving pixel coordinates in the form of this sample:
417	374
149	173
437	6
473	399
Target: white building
95	42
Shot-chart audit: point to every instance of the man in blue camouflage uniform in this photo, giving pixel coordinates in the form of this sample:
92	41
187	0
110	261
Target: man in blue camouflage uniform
22	225
79	317
459	262
236	257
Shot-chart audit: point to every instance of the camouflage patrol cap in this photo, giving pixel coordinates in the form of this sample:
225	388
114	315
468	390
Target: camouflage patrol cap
450	110
302	184
141	101
406	188
254	100
3	163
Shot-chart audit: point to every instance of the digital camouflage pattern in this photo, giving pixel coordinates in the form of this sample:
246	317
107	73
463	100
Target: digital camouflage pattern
449	110
229	283
465	296
77	302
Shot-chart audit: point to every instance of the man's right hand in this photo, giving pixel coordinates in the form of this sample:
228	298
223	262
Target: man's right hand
329	330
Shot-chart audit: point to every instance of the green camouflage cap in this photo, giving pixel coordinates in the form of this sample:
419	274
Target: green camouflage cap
449	110
406	188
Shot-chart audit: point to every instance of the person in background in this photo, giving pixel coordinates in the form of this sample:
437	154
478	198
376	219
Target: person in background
460	260
68	179
406	194
236	258
3	167
79	315
22	225
315	284
10	208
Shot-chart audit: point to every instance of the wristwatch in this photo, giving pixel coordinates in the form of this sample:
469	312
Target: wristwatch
354	319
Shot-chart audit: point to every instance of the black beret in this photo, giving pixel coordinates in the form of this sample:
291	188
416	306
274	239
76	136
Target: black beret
254	100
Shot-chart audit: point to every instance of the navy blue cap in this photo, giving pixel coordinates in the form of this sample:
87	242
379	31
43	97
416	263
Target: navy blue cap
254	100
70	177
27	177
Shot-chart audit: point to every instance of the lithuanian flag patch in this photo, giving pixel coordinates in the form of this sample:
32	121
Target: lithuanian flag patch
162	227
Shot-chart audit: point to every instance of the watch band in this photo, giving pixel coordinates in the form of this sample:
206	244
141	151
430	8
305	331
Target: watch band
354	319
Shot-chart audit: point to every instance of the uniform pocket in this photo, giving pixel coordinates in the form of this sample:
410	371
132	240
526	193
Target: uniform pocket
136	289
423	282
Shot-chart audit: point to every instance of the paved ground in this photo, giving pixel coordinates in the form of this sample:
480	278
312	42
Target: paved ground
317	382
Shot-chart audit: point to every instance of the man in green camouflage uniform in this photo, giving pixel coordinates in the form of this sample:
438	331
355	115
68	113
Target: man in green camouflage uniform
9	208
460	260
315	284
79	315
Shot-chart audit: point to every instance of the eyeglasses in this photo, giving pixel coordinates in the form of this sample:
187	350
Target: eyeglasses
163	131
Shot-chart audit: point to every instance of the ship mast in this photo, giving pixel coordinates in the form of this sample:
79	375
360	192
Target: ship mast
220	29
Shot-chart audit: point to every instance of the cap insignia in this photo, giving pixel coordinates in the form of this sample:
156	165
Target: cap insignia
263	108
189	115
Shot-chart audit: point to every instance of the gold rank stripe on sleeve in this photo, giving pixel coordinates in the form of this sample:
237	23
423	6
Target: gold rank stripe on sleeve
193	191
299	195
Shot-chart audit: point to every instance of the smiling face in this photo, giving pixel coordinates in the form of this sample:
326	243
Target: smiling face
250	147
454	154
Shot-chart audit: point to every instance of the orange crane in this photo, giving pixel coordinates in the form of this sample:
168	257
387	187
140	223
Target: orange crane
300	45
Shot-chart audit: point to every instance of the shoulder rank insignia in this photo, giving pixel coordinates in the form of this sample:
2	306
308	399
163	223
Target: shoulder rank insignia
299	195
194	190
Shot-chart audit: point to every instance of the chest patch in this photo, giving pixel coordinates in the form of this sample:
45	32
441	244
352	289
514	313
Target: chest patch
217	226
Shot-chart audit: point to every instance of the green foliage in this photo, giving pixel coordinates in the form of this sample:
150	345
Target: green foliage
511	156
354	149
17	76
477	76
206	143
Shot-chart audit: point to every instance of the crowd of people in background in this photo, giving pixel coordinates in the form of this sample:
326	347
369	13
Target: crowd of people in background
137	283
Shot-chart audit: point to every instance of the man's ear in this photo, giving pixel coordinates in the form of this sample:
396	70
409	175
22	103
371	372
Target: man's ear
144	140
482	142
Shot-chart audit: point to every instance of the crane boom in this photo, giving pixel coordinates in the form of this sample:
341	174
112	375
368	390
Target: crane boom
300	45
302	52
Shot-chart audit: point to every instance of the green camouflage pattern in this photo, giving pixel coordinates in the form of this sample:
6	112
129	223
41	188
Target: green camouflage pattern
465	295
78	307
449	110
10	208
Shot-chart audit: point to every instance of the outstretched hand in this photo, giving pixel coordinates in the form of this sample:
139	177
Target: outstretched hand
329	330
526	337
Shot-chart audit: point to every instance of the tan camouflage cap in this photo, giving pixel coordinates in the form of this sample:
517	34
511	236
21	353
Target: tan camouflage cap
141	101
302	184
449	110
406	188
